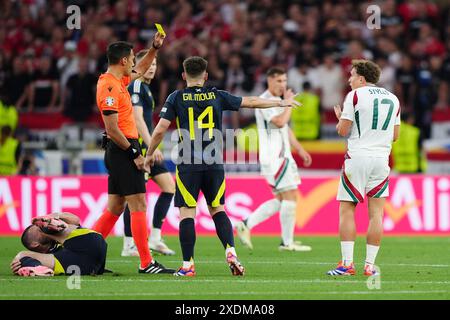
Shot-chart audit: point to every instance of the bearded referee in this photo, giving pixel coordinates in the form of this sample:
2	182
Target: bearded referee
123	157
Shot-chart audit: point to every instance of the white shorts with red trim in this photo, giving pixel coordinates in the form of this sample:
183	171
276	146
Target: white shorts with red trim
282	176
364	176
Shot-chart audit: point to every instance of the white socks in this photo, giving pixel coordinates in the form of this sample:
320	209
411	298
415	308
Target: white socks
371	254
263	212
287	221
232	250
155	235
128	242
188	264
287	217
347	252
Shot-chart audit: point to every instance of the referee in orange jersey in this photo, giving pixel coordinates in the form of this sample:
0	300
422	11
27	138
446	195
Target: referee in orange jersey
123	157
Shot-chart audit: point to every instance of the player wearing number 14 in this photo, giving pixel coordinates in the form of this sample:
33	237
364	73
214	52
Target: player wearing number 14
197	111
371	115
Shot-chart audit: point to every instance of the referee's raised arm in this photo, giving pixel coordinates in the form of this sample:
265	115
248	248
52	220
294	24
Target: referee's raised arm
147	60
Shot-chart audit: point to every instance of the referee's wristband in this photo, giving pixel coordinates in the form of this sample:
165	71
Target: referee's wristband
133	153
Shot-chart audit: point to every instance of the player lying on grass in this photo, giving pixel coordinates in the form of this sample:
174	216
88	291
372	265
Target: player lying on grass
56	242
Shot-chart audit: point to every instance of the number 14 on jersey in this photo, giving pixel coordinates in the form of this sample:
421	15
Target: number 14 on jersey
201	124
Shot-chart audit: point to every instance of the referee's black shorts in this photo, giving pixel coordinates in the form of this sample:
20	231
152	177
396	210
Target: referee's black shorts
124	177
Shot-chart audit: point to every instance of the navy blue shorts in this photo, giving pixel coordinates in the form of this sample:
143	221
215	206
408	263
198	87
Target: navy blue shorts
86	251
189	185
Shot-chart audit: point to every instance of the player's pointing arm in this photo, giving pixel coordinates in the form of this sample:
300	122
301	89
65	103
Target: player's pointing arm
260	103
233	103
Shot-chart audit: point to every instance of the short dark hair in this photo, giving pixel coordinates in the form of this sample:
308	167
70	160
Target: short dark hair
195	66
118	50
368	69
26	238
275	71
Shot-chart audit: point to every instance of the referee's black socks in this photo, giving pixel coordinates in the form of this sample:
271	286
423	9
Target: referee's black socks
224	229
187	238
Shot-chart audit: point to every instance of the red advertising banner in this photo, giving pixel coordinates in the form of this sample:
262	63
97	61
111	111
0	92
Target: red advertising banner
417	204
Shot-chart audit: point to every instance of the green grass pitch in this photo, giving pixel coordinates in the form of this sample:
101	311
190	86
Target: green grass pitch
411	268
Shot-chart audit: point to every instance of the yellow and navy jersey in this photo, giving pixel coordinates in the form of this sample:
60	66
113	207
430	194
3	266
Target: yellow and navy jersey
78	232
198	114
83	248
142	97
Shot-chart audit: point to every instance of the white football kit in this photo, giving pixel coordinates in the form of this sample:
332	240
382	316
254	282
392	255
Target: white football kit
374	112
277	164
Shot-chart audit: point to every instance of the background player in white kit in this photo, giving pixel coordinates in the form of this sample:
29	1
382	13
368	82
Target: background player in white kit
372	117
277	165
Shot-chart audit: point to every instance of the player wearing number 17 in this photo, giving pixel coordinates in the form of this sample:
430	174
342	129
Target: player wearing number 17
198	113
371	115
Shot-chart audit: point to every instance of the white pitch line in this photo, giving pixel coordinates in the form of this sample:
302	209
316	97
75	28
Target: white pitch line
200	281
234	293
253	261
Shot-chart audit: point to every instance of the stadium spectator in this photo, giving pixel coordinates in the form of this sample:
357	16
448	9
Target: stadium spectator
170	77
43	91
10	152
429	81
17	82
331	82
298	75
235	76
67	64
79	95
387	78
305	121
407	152
406	83
260	33
3	74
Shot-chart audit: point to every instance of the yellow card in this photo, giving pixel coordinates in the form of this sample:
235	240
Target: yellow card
160	29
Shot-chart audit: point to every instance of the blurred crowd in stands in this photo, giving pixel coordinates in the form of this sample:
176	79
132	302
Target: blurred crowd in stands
46	67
